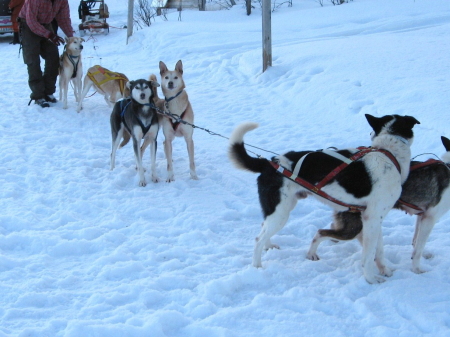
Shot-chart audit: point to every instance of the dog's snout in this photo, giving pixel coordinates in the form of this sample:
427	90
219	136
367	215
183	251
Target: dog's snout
81	46
142	95
170	85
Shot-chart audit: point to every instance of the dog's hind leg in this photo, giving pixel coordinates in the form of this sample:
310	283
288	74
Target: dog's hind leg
424	225
372	218
272	224
379	257
86	86
116	137
346	226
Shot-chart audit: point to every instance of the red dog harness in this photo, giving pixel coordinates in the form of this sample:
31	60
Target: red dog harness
317	188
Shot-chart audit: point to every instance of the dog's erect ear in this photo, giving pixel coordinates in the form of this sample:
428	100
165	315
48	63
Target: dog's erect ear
179	67
129	84
67	39
377	123
411	121
162	67
82	40
154	84
446	143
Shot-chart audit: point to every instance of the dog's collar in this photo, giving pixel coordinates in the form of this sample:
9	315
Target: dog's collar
403	140
173	97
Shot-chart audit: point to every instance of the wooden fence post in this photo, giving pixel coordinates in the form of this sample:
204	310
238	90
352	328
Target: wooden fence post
266	34
130	19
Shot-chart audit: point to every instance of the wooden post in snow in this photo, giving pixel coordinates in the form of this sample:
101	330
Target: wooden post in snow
130	19
266	34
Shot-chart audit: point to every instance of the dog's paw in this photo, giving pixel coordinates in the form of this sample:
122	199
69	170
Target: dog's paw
194	176
427	255
271	246
312	256
142	183
374	279
418	270
155	179
170	179
385	271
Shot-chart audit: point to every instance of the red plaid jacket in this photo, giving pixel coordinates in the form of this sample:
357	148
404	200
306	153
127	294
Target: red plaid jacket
40	12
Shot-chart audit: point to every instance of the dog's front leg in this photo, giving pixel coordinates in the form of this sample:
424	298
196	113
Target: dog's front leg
168	153
138	156
190	149
153	147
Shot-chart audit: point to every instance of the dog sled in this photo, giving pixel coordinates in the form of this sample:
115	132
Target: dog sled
6	25
93	15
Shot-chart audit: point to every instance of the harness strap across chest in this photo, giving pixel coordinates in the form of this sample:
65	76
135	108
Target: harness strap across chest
174	124
74	64
122	114
317	188
109	76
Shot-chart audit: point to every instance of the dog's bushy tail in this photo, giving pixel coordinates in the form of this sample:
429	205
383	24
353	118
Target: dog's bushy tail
238	154
347	226
126	138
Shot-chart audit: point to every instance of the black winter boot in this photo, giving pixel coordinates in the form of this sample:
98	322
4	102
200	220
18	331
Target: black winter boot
15	39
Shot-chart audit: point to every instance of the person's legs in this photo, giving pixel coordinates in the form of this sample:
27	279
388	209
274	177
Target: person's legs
50	53
31	47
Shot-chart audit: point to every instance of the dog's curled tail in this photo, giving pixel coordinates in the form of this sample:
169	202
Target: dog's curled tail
238	154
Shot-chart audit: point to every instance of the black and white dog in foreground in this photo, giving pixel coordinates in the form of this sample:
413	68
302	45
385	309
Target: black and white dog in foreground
425	193
373	181
137	118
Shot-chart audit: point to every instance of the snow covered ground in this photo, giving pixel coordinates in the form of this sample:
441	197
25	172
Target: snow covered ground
85	252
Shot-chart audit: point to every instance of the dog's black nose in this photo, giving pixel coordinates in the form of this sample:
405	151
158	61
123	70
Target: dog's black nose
170	85
142	96
81	46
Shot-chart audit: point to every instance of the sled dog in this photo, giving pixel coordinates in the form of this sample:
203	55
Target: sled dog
177	103
425	193
70	69
106	82
136	117
372	181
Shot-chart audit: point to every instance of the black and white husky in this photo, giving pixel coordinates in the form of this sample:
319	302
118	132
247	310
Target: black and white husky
373	182
136	117
426	193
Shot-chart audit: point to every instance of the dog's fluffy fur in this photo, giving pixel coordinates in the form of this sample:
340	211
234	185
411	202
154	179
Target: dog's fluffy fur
177	103
373	182
426	187
111	89
131	117
71	69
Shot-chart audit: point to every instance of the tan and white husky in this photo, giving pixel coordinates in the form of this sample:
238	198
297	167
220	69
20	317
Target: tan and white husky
177	103
71	69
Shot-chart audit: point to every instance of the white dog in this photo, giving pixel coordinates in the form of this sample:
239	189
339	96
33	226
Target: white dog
371	183
71	69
